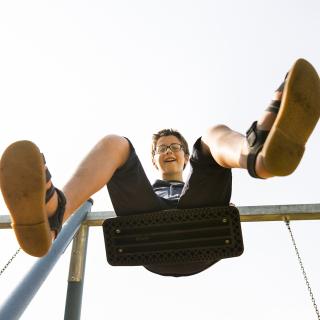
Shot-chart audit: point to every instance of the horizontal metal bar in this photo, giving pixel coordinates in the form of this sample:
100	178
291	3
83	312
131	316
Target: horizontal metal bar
5	222
247	213
310	211
280	212
96	219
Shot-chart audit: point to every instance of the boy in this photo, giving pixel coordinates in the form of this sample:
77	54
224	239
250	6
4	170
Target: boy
273	146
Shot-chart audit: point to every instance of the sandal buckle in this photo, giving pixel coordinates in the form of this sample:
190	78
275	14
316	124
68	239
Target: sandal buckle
251	134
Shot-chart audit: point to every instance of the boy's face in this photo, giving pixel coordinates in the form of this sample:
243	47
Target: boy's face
170	163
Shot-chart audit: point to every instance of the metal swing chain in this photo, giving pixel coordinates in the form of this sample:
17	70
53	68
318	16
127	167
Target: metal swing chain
302	269
10	260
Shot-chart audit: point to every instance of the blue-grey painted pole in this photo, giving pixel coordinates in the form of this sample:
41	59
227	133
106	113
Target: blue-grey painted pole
22	295
76	274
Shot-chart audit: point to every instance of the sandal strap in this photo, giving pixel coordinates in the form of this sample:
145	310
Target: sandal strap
48	175
274	106
281	87
50	192
55	221
255	139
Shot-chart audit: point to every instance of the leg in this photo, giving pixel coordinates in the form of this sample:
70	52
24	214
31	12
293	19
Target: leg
278	152
31	200
94	172
22	179
112	162
230	148
130	190
209	184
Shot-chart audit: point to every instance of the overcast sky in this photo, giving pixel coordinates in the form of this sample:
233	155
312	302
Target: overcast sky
74	71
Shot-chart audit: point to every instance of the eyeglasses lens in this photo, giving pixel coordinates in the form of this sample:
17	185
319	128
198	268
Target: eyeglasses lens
174	147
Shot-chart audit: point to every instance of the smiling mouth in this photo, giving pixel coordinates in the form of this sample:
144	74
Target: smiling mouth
170	160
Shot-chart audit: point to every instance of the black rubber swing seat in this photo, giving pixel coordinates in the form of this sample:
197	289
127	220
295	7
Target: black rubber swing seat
173	236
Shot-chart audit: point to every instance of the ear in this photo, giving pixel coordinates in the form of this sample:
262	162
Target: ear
154	163
186	159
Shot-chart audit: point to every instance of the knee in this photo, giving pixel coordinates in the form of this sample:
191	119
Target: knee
116	145
115	142
215	133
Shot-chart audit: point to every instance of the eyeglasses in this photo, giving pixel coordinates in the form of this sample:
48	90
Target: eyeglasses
174	147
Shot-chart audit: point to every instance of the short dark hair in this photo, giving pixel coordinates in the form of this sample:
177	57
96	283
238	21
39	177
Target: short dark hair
168	132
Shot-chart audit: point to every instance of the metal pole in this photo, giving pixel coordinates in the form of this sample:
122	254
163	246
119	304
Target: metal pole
22	295
76	274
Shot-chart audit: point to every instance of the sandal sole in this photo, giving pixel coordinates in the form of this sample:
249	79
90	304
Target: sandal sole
298	115
23	185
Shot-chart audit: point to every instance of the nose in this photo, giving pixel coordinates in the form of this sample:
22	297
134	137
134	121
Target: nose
168	150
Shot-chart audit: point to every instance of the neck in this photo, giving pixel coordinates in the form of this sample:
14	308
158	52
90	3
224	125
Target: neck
173	176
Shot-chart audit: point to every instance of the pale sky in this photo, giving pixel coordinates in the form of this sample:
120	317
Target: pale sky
74	71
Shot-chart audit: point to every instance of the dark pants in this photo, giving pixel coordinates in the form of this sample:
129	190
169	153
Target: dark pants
207	185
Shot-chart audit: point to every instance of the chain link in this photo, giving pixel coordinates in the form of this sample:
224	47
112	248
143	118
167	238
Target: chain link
10	260
302	269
